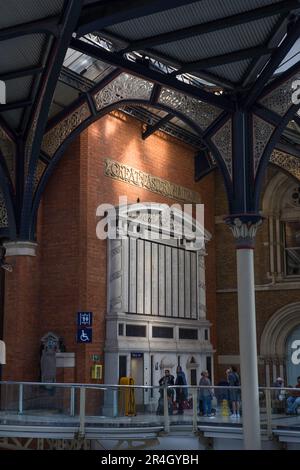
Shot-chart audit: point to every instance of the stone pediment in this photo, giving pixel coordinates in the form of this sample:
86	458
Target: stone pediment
165	221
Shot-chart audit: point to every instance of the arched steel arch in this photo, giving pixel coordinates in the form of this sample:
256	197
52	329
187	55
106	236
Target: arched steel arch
57	156
222	133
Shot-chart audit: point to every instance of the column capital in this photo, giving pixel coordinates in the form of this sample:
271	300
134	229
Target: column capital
20	248
244	228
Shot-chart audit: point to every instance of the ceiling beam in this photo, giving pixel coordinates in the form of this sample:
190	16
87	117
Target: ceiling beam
151	129
156	55
34	70
15	105
282	77
277	57
213	26
103	14
46	26
228	58
289	148
257	64
150	74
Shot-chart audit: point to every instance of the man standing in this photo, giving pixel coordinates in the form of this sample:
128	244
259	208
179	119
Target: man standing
293	401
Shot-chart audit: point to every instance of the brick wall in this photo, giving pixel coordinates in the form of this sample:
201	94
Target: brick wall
268	301
69	273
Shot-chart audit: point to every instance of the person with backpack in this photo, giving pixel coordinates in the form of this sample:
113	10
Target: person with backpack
234	394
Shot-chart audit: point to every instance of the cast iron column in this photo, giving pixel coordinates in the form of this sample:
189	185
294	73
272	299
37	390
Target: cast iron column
244	233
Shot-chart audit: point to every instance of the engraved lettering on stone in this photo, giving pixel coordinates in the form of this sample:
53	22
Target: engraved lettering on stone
124	87
116	251
262	132
154	184
115	275
56	136
223	141
200	113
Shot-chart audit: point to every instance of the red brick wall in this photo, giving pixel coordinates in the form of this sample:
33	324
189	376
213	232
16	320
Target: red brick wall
69	273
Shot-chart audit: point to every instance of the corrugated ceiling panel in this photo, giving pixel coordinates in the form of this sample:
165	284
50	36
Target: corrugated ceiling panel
233	72
220	42
184	16
18	89
13	118
15	12
21	52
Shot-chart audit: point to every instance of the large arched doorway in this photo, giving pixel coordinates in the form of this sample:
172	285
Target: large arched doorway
293	356
278	345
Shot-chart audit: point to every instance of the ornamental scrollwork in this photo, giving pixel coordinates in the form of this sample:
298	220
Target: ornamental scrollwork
124	87
280	99
262	132
56	136
3	212
287	162
223	141
200	113
8	150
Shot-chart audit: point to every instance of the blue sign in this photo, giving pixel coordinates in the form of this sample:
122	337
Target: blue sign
84	318
84	335
137	355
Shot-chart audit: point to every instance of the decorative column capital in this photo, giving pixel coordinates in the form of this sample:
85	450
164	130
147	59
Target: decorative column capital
244	228
20	248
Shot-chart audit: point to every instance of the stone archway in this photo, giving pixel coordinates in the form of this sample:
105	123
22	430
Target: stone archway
274	338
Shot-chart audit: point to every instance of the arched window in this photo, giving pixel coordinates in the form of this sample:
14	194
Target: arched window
292	247
281	206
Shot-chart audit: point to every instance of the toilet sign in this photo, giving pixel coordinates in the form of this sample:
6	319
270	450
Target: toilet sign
84	318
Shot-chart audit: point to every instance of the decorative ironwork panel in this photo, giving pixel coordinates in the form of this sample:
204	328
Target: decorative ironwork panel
56	136
8	150
124	87
262	132
200	113
41	166
3	211
287	162
223	141
280	99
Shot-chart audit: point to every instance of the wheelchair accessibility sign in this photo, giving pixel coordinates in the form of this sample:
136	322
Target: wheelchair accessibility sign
84	335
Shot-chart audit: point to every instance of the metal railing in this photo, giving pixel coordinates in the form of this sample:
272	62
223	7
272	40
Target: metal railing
137	406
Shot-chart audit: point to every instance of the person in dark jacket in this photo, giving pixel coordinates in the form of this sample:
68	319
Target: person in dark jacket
181	392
